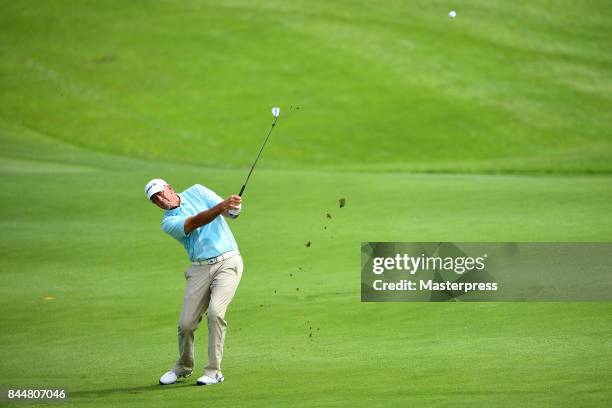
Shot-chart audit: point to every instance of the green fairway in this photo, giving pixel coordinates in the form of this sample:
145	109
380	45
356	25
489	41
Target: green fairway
495	126
84	235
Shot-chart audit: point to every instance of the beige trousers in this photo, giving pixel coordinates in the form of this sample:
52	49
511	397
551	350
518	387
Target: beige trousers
209	287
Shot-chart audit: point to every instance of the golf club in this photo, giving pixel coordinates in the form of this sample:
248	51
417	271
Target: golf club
275	113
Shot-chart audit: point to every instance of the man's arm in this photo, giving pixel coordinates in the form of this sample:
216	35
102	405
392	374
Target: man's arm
207	216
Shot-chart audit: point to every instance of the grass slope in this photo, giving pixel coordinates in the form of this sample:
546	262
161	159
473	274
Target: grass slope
379	86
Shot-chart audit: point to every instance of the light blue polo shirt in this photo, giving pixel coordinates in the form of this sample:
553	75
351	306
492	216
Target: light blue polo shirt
209	240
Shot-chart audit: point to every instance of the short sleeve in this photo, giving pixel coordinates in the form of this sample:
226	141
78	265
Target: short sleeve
210	197
174	226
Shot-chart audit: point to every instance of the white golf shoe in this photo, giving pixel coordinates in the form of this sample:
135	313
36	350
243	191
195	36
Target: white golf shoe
206	380
170	378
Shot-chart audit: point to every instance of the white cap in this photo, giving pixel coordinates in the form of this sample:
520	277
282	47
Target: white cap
154	186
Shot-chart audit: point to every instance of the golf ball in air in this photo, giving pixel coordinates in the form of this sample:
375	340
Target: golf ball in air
452	14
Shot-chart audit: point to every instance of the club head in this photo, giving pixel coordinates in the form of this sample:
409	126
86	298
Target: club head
275	111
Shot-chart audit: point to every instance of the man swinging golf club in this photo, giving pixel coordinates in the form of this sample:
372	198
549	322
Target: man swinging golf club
193	218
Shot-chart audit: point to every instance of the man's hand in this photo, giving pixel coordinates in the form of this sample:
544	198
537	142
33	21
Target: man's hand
207	216
232	201
235	203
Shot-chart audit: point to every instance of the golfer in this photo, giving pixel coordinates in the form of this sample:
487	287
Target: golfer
193	218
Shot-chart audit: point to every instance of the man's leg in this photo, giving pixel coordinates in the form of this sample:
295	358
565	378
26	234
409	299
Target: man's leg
223	287
195	302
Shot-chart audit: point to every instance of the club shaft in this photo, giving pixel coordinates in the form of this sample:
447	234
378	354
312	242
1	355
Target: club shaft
257	158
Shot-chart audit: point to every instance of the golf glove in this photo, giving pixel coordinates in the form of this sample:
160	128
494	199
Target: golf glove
234	212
